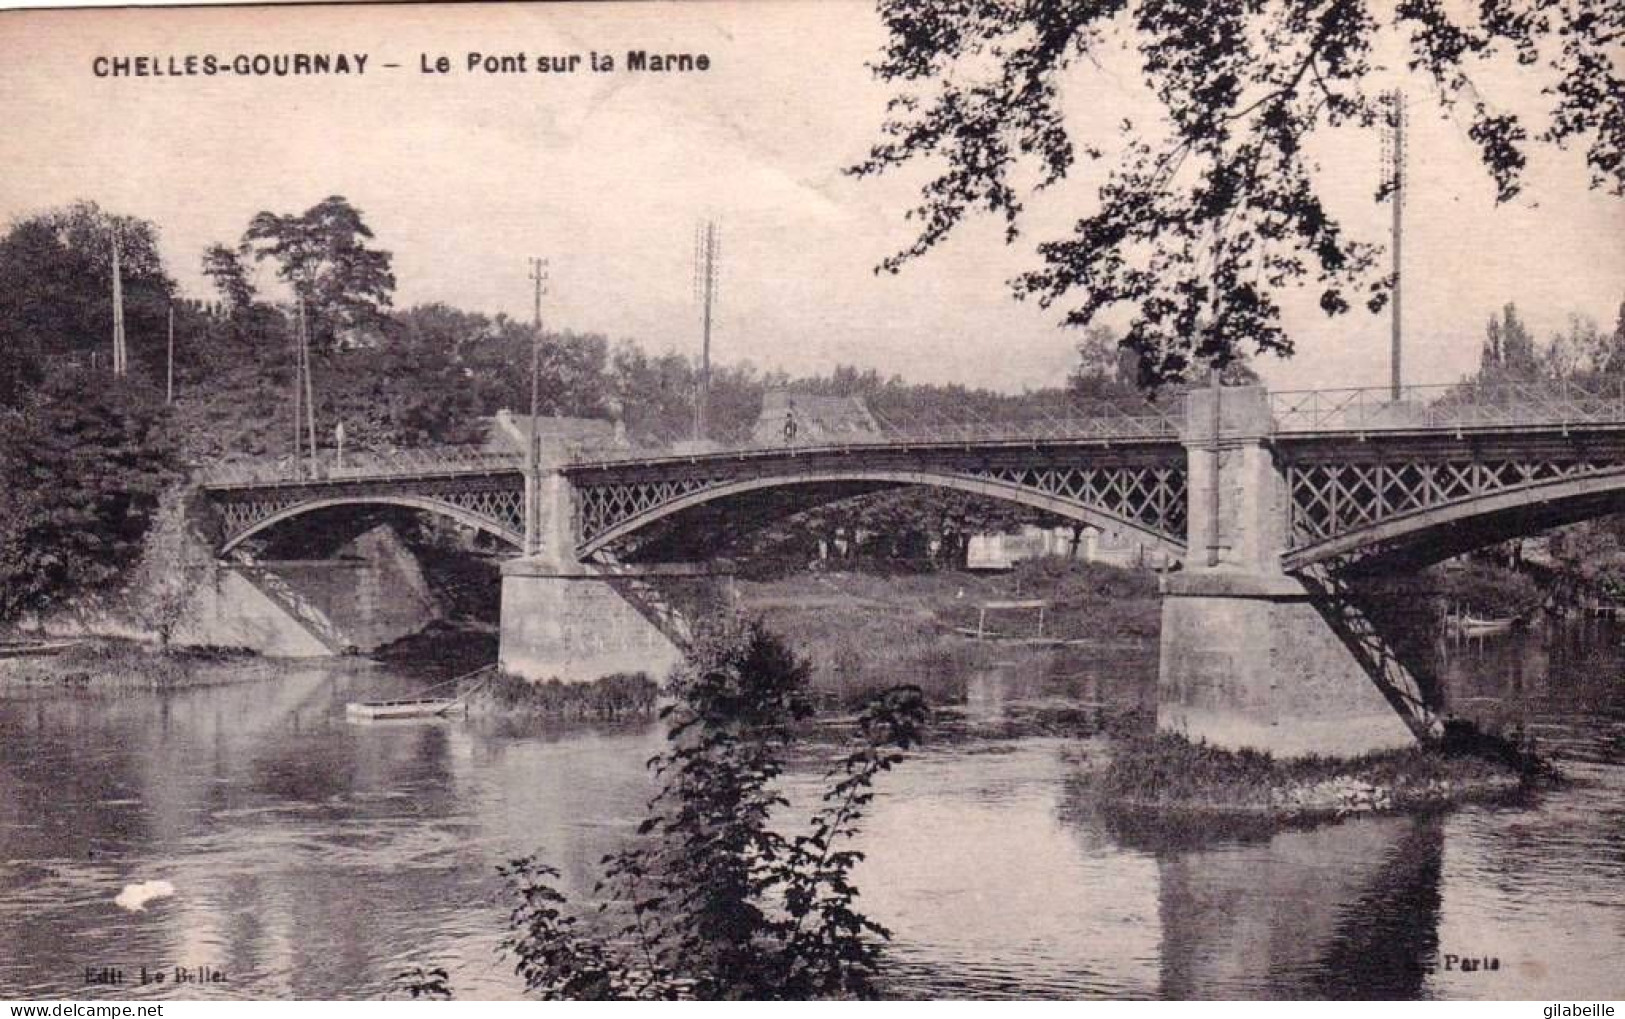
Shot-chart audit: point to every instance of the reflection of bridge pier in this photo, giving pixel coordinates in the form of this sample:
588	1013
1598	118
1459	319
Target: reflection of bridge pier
1262	644
1342	910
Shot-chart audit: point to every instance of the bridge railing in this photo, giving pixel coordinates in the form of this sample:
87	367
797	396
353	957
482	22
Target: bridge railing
405	463
1463	405
1106	422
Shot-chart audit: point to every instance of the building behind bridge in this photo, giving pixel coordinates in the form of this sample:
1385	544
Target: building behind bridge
818	420
1093	545
507	432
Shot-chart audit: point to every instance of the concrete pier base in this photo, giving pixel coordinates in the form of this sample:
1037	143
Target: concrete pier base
1251	661
579	623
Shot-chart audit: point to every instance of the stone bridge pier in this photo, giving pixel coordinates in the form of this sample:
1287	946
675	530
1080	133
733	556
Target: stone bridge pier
579	621
1252	656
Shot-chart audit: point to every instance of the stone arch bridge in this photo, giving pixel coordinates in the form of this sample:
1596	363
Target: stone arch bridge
1268	502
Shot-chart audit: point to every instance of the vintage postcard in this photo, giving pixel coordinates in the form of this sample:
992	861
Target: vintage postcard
787	500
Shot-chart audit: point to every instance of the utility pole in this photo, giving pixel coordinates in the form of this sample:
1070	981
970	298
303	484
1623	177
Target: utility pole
118	308
310	399
1396	183
169	379
533	448
298	392
1216	380
707	243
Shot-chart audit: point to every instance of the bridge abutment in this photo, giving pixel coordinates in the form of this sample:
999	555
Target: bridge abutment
1251	656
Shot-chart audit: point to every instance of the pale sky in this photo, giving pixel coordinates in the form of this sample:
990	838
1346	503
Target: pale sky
463	176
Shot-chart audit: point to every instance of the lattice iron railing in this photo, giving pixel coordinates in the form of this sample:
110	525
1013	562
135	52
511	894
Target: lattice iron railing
1329	500
1464	405
1072	422
406	463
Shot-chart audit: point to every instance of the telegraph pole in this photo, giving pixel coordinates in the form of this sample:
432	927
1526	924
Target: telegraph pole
118	308
705	283
1396	169
169	382
310	399
538	275
298	398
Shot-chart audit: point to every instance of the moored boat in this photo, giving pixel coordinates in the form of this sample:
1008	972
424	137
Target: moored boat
1473	626
419	707
25	648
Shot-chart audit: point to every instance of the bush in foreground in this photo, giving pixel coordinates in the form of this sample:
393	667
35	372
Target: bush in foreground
711	900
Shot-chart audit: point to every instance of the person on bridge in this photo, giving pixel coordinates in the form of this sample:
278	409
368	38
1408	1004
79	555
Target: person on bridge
790	424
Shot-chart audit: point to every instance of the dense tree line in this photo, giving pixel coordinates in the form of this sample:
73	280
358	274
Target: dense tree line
1590	555
98	450
91	453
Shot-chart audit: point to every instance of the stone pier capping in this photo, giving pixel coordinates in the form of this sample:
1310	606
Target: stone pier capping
1265	502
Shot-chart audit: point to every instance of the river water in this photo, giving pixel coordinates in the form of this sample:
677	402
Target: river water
313	857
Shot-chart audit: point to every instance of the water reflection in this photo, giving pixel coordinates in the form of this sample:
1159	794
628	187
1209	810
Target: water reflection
1346	910
316	858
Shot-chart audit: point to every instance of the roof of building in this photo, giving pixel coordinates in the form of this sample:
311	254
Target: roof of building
816	417
507	432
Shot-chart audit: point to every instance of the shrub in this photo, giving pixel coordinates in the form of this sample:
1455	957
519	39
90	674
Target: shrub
710	900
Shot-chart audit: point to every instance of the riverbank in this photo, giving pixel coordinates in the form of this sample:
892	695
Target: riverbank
109	663
861	632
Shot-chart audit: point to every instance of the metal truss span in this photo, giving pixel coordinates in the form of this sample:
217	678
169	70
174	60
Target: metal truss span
1360	512
1147	500
493	503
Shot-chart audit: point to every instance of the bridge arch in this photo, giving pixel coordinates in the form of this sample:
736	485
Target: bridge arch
860	481
427	504
1436	533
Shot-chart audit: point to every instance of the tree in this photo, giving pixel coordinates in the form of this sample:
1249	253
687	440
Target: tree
56	293
84	462
1508	353
1105	371
1211	214
226	271
345	285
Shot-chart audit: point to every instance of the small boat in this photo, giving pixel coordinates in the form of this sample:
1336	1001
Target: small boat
419	707
25	648
1473	626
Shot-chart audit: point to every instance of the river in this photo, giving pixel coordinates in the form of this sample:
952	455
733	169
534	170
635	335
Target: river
314	857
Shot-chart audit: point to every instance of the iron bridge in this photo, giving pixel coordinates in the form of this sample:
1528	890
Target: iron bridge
1366	479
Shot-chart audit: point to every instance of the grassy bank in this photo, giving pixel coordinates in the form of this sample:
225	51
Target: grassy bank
105	663
1169	777
863	632
621	695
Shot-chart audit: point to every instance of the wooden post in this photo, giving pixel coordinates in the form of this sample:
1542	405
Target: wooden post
169	386
118	308
1398	198
298	398
533	451
310	399
1213	481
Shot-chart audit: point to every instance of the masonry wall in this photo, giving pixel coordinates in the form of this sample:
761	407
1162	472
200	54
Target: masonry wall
1268	672
576	627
